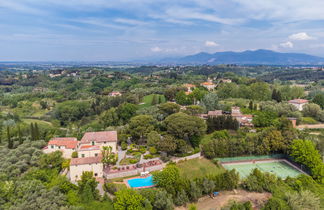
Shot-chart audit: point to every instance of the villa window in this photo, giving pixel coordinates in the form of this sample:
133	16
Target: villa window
82	155
52	146
96	154
59	147
96	174
93	143
104	142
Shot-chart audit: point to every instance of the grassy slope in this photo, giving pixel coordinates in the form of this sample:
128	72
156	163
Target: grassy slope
198	168
147	100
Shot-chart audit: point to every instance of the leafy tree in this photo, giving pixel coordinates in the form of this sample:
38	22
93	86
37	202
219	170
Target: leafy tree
276	204
126	111
169	108
140	126
259	182
167	144
303	200
183	99
194	110
128	199
163	201
108	157
75	154
153	139
260	91
88	186
319	100
304	152
311	110
168	178
210	101
51	160
264	119
71	111
181	198
109	118
195	192
185	126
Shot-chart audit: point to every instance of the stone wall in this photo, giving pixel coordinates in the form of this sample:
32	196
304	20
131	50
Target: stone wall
197	155
133	172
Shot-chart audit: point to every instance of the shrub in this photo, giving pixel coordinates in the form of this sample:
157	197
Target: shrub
123	145
152	150
148	156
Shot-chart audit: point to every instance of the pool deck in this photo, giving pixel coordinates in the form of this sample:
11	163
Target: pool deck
137	177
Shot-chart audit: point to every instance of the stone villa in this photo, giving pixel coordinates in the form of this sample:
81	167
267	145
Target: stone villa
88	149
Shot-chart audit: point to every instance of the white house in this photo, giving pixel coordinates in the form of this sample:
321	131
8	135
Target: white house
298	103
80	165
101	139
67	145
209	85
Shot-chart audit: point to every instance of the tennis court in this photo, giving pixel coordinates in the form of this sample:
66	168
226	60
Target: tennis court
281	168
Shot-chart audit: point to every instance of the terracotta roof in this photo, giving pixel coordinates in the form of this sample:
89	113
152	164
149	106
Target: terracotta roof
85	160
207	83
68	142
215	113
101	136
189	85
298	101
89	147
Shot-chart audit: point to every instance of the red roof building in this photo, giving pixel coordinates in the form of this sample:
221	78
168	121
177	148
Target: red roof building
99	137
67	142
85	160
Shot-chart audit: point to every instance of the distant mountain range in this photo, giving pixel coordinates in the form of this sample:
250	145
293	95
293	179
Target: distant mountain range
262	57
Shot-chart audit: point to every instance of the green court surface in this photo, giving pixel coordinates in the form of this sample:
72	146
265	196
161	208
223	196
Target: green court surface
280	169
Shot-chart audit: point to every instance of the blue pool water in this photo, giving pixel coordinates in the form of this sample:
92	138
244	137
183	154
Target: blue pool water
141	182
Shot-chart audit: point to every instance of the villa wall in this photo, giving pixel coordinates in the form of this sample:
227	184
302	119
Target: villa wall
77	170
133	172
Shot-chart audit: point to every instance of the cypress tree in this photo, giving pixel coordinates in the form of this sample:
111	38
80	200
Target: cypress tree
255	107
32	133
160	99
10	143
36	132
20	135
154	100
251	105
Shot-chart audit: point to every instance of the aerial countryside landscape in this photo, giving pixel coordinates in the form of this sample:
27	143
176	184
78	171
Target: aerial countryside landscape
161	105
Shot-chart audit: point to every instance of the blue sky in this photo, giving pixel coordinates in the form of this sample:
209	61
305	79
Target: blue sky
119	30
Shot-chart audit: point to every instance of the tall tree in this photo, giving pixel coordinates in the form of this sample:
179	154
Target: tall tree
10	143
20	135
154	100
108	157
32	132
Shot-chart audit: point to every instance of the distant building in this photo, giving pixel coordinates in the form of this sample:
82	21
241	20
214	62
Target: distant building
298	103
190	88
225	80
115	93
67	145
209	85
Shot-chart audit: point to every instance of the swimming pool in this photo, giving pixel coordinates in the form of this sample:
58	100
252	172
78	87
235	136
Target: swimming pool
141	182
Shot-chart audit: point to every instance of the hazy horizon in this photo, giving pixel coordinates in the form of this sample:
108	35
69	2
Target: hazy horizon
127	30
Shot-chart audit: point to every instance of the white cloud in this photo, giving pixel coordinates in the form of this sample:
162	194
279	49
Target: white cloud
129	21
211	44
300	36
287	44
156	49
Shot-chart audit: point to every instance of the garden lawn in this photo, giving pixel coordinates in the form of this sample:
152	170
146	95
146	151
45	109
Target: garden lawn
147	100
195	168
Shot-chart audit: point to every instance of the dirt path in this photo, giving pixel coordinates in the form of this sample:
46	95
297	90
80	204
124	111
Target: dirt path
207	203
